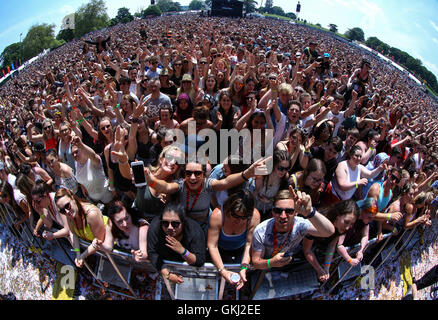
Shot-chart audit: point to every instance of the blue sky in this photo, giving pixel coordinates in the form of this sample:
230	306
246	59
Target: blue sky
411	26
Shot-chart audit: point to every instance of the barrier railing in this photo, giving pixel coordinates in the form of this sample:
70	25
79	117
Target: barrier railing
206	276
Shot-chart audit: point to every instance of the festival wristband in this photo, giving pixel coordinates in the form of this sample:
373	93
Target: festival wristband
329	253
328	263
349	261
244	268
269	266
42	216
117	106
77	250
153	184
357	185
185	256
388	217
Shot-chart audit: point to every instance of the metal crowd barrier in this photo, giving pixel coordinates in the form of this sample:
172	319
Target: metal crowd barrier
200	283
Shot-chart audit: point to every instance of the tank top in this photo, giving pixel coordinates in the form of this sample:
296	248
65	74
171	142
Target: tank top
86	233
120	182
94	181
51	143
66	156
352	176
148	205
383	201
231	242
131	242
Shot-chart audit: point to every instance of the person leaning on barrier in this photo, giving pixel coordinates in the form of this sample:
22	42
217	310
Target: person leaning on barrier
15	200
343	215
275	240
84	220
172	236
127	234
230	234
43	202
359	232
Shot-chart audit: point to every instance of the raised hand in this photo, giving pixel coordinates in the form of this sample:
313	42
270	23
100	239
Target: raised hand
303	202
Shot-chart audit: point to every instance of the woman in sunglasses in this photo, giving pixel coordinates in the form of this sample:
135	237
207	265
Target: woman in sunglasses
342	215
84	220
64	174
172	236
64	150
43	202
177	72
230	234
49	134
266	187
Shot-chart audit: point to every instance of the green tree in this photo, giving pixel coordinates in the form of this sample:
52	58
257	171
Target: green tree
250	6
355	34
168	5
291	15
152	11
67	35
333	28
10	54
196	5
277	10
90	17
38	38
124	16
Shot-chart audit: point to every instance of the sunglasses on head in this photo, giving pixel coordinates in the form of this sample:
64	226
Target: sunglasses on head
175	224
197	173
65	208
234	215
277	210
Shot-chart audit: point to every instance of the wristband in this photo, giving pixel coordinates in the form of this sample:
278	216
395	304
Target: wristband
311	213
42	216
319	103
117	106
357	185
328	263
153	184
269	266
243	176
394	230
244	268
388	217
111	182
351	259
77	250
187	253
329	253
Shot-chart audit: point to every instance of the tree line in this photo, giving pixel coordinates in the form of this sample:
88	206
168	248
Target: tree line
93	16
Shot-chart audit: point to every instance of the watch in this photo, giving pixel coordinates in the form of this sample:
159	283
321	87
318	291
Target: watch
311	213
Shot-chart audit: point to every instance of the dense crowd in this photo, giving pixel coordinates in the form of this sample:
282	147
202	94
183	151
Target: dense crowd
351	143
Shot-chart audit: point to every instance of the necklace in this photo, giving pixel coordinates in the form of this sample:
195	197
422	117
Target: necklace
198	192
276	249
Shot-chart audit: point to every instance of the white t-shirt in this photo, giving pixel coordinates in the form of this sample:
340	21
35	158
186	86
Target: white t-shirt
340	117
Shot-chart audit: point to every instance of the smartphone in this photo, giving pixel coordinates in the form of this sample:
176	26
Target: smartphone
138	172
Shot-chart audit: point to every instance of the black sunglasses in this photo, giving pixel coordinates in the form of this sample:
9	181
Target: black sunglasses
280	168
175	224
239	217
47	128
66	207
197	173
277	210
393	177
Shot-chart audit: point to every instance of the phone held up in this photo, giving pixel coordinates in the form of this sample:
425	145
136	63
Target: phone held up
138	172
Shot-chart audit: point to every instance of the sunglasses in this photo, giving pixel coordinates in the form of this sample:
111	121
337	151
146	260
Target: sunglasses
178	64
64	131
393	177
280	168
277	210
175	224
65	208
250	98
197	173
203	62
47	128
272	78
105	127
239	217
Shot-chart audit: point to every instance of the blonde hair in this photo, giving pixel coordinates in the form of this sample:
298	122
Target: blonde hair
285	87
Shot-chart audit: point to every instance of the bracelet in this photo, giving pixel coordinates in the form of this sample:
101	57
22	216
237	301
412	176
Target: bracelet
77	250
220	270
329	253
187	254
351	259
153	184
319	103
243	176
42	216
328	263
388	217
269	266
311	213
394	230
111	182
357	185
117	106
244	268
